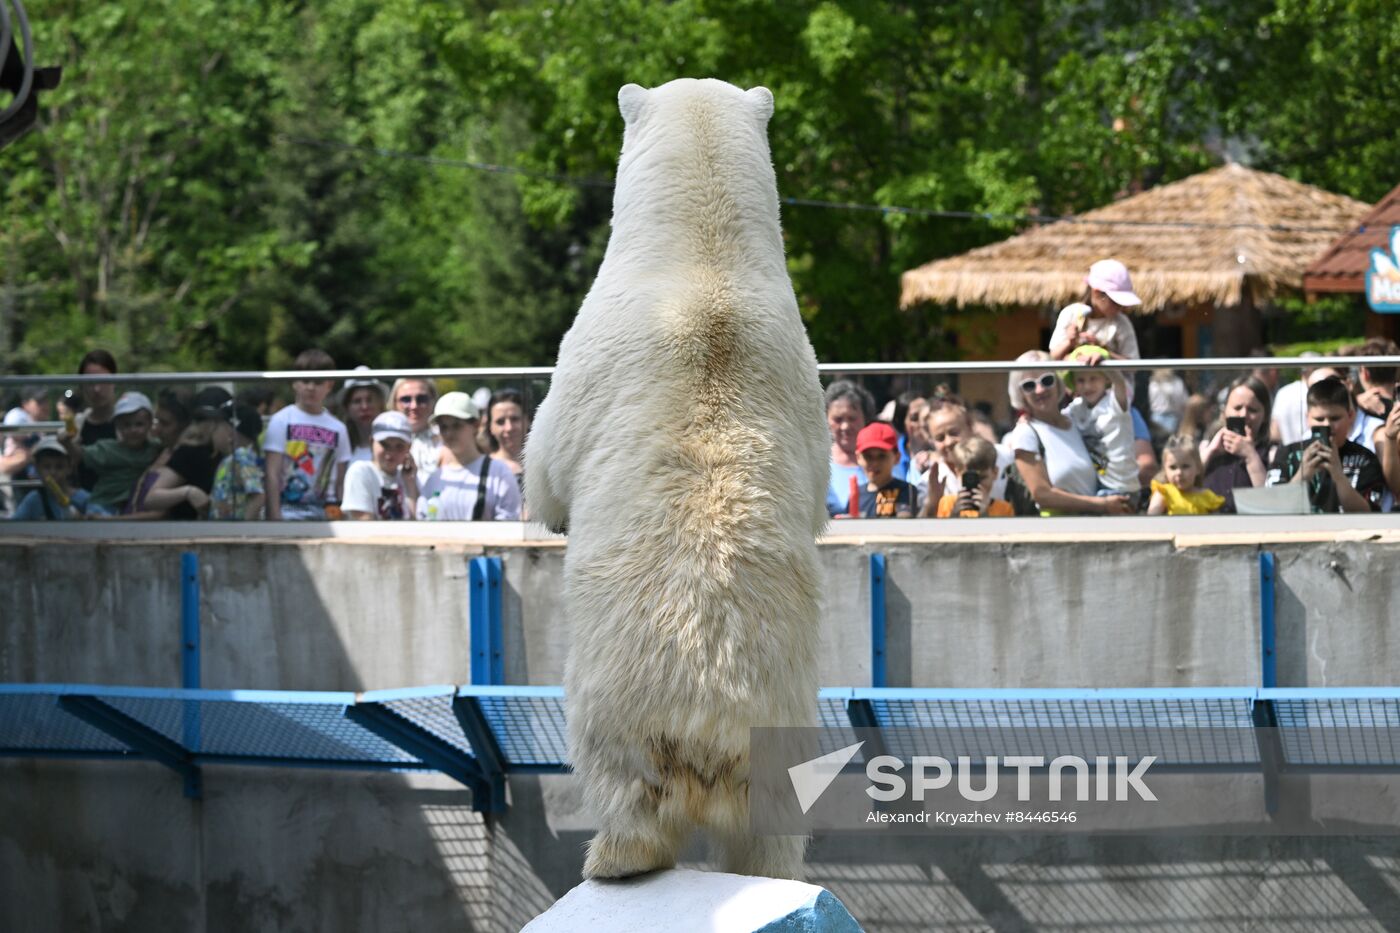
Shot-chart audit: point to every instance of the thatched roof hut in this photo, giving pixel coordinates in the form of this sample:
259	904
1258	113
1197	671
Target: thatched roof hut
1212	239
1342	268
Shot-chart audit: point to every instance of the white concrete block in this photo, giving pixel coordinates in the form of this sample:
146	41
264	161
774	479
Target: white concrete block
683	901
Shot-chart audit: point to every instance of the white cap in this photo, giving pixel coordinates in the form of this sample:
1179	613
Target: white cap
131	402
1111	277
352	384
49	445
391	424
456	405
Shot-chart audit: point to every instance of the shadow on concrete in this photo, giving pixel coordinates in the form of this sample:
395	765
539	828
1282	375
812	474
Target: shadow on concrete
117	847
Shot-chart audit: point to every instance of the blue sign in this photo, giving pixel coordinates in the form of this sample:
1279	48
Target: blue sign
1383	277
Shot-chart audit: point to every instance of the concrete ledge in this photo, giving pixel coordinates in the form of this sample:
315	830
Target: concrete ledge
684	901
1183	531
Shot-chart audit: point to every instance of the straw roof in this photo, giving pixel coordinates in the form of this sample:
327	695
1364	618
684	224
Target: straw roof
1343	267
1204	239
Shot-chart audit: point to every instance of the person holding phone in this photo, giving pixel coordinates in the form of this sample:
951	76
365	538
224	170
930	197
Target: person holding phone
1341	475
974	499
1388	449
1237	454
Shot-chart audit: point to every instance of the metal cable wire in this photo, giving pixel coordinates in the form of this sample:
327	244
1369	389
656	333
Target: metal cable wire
820	203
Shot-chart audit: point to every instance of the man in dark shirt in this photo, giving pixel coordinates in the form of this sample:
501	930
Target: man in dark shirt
1341	476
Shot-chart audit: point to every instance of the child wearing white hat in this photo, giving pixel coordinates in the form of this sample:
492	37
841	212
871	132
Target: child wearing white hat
384	488
56	500
1099	319
119	463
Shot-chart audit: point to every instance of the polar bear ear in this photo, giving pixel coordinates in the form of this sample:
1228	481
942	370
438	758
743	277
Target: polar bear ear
631	99
761	100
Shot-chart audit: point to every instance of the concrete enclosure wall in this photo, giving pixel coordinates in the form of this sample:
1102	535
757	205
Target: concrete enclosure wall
87	846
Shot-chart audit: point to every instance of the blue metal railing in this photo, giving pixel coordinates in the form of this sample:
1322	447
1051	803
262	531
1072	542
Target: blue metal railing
483	733
480	735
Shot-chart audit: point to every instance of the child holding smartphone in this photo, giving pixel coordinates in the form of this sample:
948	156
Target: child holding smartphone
1341	475
974	499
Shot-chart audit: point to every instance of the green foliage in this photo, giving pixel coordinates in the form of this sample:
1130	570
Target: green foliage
1305	323
172	204
1328	347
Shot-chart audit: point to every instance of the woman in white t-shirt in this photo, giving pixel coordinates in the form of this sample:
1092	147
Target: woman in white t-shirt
507	424
468	485
1050	454
385	488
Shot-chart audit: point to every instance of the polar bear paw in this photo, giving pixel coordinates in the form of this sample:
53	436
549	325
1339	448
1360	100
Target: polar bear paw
614	855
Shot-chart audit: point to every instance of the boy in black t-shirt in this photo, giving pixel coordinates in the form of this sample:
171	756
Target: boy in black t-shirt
1342	476
883	496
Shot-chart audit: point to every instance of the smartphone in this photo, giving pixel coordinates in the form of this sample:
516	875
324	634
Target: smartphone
1386	405
1236	425
1322	436
971	480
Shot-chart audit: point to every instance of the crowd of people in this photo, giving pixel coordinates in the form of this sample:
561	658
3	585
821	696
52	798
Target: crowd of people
1082	445
1081	442
367	452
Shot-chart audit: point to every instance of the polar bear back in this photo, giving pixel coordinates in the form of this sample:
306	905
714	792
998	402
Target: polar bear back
688	362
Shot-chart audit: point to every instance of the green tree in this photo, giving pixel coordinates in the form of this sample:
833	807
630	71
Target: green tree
126	222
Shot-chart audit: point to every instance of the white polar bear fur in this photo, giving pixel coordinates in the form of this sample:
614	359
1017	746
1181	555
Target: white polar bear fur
684	446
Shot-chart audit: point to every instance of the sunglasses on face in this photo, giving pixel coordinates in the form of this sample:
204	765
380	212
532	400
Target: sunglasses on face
414	399
1046	381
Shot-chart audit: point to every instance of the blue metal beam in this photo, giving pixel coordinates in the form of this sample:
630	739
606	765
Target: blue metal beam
189	647
1268	638
484	580
489	757
137	735
189	621
422	744
877	620
1271	755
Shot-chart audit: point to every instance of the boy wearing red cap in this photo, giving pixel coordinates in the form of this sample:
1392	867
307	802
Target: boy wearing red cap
883	496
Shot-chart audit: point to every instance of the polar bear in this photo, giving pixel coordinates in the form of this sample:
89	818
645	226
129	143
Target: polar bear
683	446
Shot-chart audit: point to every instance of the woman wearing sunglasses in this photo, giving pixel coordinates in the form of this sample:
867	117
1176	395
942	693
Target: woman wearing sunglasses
1050	453
415	399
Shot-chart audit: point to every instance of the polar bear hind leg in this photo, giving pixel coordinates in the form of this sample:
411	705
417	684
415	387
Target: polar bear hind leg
637	833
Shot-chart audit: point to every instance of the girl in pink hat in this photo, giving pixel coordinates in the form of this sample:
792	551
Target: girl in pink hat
1099	319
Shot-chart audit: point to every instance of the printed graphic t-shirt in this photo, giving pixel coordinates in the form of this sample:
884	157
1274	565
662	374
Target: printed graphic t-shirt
237	480
370	490
313	445
1360	467
889	500
1108	430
